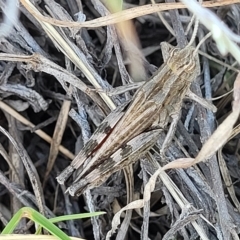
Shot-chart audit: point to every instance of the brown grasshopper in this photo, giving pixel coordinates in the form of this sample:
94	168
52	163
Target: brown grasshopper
133	128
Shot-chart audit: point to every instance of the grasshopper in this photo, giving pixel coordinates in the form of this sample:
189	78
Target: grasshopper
134	127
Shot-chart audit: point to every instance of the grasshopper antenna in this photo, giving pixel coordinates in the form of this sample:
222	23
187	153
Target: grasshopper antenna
201	42
194	33
194	30
196	25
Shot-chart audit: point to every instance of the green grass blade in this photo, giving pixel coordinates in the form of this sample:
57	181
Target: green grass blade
50	227
37	218
13	223
75	216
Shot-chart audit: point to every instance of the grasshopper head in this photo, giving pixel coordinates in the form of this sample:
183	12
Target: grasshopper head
183	60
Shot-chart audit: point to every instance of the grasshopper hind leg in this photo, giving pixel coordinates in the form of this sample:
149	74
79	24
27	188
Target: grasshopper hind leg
170	134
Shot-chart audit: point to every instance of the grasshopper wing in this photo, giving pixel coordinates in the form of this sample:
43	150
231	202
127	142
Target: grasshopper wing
126	155
99	135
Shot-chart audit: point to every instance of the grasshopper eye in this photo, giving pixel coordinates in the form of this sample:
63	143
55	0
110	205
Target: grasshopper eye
190	65
173	61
